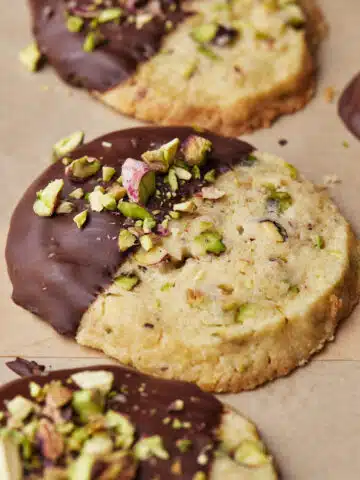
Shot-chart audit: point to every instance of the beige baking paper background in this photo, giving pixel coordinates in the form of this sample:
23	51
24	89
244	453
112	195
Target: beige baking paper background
311	419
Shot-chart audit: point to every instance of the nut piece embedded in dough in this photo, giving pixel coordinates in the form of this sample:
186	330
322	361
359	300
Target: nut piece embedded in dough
126	240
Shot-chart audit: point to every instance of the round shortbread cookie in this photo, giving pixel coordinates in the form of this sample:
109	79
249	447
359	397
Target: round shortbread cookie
238	272
230	67
109	423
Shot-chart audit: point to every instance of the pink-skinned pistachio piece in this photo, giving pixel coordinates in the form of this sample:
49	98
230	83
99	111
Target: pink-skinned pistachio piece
138	180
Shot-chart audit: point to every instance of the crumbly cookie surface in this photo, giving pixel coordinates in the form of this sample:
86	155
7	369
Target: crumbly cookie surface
230	67
262	307
108	423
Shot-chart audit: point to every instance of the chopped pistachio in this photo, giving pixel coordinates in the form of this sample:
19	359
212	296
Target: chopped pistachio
35	389
250	453
65	207
199	476
125	431
245	311
167	286
77	193
212	193
195	149
204	33
292	170
81	218
207	52
210	242
47	198
196	172
190	69
132	210
139	180
183	444
109	202
319	242
146	242
67	144
282	199
99	444
210	176
153	257
11	467
148	224
188	207
74	24
174	215
120	180
150	447
95	200
108	173
87	404
82	467
272	231
126	240
182	173
117	191
30	57
161	159
20	408
174	185
109	15
94	379
127	282
83	167
92	40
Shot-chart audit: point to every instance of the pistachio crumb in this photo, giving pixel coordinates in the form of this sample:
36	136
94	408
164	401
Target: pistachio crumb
80	218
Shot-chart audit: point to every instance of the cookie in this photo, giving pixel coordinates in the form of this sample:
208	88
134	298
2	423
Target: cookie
230	67
109	423
209	262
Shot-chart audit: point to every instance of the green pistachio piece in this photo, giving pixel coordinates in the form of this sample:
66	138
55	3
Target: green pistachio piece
30	57
183	444
126	240
199	476
77	439
195	149
246	311
210	242
173	182
67	144
117	191
95	200
83	167
64	208
146	242
283	200
77	193
81	468
204	33
74	24
124	429
150	447
132	210
319	242
196	172
292	170
109	202
92	40
94	380
20	407
80	218
35	389
108	173
109	15
87	403
99	444
190	69
153	257
175	215
47	198
251	453
210	176
149	224
182	173
120	180
127	282
188	207
161	159
147	187
207	52
11	467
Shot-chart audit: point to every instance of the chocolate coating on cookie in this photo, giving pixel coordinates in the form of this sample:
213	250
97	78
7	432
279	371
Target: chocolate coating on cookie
124	47
146	401
57	270
349	106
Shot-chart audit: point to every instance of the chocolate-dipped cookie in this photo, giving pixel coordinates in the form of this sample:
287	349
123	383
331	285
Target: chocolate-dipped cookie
109	423
184	254
228	66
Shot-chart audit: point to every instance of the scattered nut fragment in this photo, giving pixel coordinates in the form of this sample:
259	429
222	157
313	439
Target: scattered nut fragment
77	193
161	159
109	15
127	282
188	207
117	191
107	173
74	24
67	144
329	94
80	218
150	447
83	167
138	179
31	57
47	199
126	240
212	193
194	296
58	395
64	208
251	453
195	149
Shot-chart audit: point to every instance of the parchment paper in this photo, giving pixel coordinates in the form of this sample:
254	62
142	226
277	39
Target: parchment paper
310	420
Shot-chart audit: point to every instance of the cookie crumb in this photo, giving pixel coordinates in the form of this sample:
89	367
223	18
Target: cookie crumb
329	94
283	142
331	179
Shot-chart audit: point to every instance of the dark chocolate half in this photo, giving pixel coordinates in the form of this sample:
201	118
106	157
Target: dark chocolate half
57	270
125	46
349	106
147	402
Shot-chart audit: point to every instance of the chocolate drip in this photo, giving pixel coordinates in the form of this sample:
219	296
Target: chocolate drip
57	270
349	106
146	400
125	46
